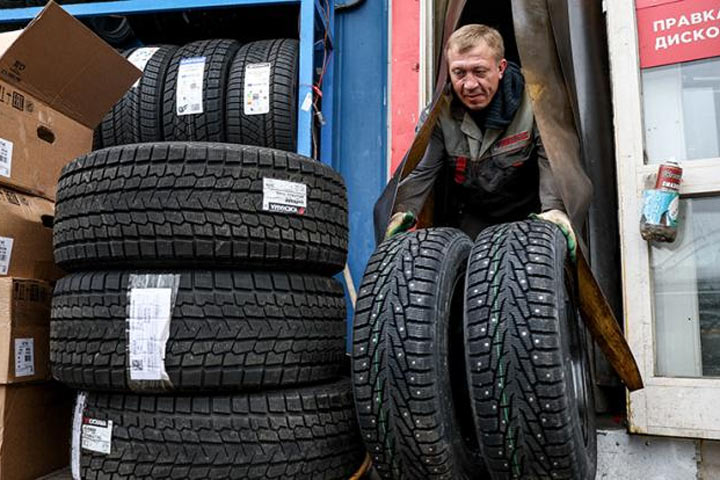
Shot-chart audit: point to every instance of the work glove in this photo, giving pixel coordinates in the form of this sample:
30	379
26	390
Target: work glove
559	218
399	222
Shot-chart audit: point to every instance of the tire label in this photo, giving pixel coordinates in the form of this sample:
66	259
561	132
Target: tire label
76	434
257	89
189	92
6	152
96	435
148	331
24	357
6	245
284	197
140	58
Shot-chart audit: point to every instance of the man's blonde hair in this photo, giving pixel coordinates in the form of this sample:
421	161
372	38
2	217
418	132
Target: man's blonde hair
469	36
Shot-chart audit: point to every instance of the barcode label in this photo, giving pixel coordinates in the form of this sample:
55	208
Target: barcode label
24	357
6	245
282	196
6	152
76	434
97	435
140	58
189	91
257	88
149	327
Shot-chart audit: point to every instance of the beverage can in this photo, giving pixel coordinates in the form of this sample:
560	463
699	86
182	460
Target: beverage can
669	177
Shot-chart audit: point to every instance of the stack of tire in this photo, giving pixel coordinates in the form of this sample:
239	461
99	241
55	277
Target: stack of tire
249	95
200	322
469	360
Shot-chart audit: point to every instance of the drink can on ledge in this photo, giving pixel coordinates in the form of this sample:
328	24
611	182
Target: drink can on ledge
669	177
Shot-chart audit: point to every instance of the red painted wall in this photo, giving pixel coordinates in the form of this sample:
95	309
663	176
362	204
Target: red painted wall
405	84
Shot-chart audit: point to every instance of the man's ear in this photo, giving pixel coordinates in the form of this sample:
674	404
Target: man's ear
502	65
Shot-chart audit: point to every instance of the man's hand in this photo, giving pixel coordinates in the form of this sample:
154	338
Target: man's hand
399	222
559	218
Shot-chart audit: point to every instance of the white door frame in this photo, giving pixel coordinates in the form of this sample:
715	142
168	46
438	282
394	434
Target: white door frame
686	407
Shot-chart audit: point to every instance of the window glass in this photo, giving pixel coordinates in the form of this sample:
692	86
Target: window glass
681	106
686	284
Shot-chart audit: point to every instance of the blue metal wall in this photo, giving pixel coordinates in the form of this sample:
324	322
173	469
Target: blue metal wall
360	130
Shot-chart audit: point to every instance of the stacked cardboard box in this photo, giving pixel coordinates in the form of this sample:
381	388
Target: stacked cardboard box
57	80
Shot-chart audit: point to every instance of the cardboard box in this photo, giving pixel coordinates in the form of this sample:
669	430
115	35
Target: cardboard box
35	434
24	330
26	237
57	80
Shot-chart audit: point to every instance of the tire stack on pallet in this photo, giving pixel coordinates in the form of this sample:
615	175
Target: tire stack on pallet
469	360
201	323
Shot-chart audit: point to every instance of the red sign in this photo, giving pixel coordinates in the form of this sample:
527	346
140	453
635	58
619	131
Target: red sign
652	3
677	32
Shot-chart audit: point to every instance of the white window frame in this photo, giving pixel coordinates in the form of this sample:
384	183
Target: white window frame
686	407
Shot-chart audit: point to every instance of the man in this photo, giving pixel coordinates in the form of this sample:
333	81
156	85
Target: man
488	143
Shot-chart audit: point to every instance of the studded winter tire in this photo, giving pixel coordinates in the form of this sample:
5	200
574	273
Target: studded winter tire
526	353
408	371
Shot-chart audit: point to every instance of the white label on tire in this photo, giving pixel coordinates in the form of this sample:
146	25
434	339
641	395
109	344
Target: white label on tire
6	152
190	86
284	197
149	329
140	58
257	88
76	434
96	435
24	357
6	245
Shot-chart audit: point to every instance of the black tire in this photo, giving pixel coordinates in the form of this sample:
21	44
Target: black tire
120	125
114	29
210	125
304	433
527	361
409	385
97	139
229	331
277	128
137	116
182	205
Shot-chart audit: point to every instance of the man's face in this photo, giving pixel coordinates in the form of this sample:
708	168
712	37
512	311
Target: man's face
475	75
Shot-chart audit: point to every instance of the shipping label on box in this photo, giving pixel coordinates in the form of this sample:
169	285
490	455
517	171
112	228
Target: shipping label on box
24	330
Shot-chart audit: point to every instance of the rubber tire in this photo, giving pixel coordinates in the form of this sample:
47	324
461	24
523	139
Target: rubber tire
208	126
403	374
183	205
137	116
113	29
278	127
302	433
229	330
520	318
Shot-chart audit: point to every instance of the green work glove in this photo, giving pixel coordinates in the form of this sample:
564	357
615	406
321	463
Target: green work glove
559	218
399	222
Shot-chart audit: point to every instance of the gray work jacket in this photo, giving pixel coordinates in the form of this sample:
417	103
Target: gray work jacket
490	159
